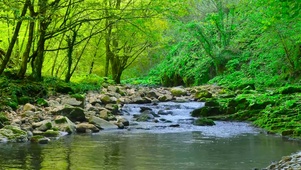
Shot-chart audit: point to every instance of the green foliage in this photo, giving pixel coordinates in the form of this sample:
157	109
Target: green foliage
3	120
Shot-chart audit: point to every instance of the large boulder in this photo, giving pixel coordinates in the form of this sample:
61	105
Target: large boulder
178	91
62	123
11	133
101	123
73	113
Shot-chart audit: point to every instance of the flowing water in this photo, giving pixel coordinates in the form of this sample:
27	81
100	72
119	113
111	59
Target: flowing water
154	146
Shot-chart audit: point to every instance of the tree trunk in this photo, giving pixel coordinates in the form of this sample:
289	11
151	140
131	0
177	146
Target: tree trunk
39	60
14	38
71	42
23	68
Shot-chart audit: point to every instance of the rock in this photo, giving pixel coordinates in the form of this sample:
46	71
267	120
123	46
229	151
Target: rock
101	123
43	140
13	134
164	112
141	100
29	107
287	132
62	123
104	114
174	125
73	113
106	99
72	102
202	94
123	120
206	111
178	91
143	108
145	116
204	122
43	125
51	133
162	98
86	127
287	162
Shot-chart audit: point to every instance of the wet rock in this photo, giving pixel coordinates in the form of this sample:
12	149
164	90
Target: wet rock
165	112
123	120
204	122
174	125
101	123
207	111
144	108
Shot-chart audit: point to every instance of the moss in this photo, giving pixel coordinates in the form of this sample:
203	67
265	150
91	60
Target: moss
204	122
51	133
61	120
3	119
48	125
36	138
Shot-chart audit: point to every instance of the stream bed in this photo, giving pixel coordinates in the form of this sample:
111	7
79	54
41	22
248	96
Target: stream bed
155	146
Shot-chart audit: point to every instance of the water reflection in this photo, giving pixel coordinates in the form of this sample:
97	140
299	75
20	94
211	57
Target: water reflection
147	151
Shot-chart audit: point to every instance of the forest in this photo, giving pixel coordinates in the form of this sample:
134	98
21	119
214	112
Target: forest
170	43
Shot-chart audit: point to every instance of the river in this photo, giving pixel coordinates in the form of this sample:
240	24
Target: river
154	146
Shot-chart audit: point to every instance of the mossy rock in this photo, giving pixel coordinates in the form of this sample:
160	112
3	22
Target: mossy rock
51	133
259	105
203	94
207	111
203	122
177	91
13	134
36	138
61	120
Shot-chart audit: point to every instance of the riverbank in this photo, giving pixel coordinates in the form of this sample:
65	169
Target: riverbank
28	104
